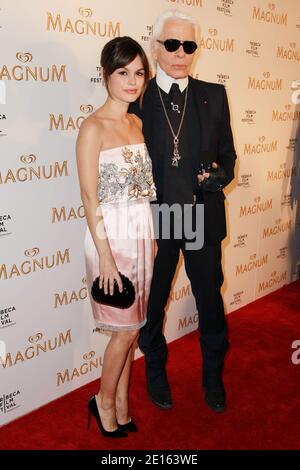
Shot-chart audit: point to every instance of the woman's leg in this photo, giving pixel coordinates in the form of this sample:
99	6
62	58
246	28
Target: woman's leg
123	389
114	360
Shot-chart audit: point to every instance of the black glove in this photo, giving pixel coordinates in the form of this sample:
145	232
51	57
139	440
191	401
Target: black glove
215	181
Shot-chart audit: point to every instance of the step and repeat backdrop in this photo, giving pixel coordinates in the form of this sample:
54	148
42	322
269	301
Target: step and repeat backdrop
50	81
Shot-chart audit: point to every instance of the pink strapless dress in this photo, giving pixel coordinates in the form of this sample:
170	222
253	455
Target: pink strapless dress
125	189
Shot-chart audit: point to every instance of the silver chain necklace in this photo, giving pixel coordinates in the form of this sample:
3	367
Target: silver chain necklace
176	156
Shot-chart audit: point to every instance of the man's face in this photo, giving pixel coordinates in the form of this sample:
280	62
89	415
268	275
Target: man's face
176	64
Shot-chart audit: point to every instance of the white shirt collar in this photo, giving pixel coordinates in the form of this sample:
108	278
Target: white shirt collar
165	82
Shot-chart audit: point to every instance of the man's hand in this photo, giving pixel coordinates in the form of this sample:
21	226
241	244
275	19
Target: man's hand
214	180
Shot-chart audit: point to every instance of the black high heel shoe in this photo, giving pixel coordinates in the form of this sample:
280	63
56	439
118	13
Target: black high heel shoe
93	409
130	426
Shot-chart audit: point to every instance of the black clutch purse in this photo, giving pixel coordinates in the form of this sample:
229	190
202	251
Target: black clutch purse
119	299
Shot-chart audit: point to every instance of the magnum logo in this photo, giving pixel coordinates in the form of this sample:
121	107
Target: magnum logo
53	73
261	147
29	172
61	123
189	3
274	280
278	227
82	26
253	263
64	215
269	16
35	264
265	83
91	362
66	298
282	173
36	348
257	207
179	294
290	53
188	321
214	43
287	115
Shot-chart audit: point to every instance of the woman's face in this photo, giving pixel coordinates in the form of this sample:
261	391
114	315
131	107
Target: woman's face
126	83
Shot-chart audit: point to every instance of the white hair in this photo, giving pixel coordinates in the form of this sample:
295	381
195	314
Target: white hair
172	15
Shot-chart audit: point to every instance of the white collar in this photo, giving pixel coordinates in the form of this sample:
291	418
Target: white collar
165	82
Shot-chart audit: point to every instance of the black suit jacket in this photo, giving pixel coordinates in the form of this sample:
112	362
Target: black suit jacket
215	144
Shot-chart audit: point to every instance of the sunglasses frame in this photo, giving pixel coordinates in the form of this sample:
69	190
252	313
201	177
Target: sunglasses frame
180	43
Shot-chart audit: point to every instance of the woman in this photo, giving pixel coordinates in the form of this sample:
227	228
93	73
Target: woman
116	186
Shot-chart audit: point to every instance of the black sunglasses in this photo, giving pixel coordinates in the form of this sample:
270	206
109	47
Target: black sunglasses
173	45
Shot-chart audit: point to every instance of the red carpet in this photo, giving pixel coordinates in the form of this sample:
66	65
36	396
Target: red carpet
262	388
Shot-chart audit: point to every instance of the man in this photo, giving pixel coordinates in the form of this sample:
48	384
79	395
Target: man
186	125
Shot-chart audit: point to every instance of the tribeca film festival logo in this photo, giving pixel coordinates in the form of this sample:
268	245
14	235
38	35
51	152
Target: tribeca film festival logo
223	79
288	114
284	172
237	298
214	43
275	279
9	401
225	7
254	263
30	172
32	265
254	48
241	241
66	298
261	147
36	349
82	26
99	76
288	53
6	317
265	83
295	358
91	363
269	15
148	35
245	180
5	219
68	123
53	73
249	116
283	252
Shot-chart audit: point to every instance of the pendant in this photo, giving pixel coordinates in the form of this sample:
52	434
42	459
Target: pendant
176	157
175	107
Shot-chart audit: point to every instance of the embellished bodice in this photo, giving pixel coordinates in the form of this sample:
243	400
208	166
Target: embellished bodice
125	173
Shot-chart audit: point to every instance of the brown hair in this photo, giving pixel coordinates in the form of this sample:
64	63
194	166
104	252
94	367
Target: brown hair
120	52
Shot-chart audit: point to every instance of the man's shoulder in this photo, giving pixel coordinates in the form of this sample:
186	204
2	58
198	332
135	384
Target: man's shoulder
209	86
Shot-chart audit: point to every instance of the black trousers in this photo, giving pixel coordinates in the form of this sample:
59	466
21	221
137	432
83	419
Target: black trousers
204	270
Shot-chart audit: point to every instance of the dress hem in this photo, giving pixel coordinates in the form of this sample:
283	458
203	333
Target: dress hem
104	326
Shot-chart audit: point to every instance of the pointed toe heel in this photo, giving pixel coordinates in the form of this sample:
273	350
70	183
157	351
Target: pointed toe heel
93	409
